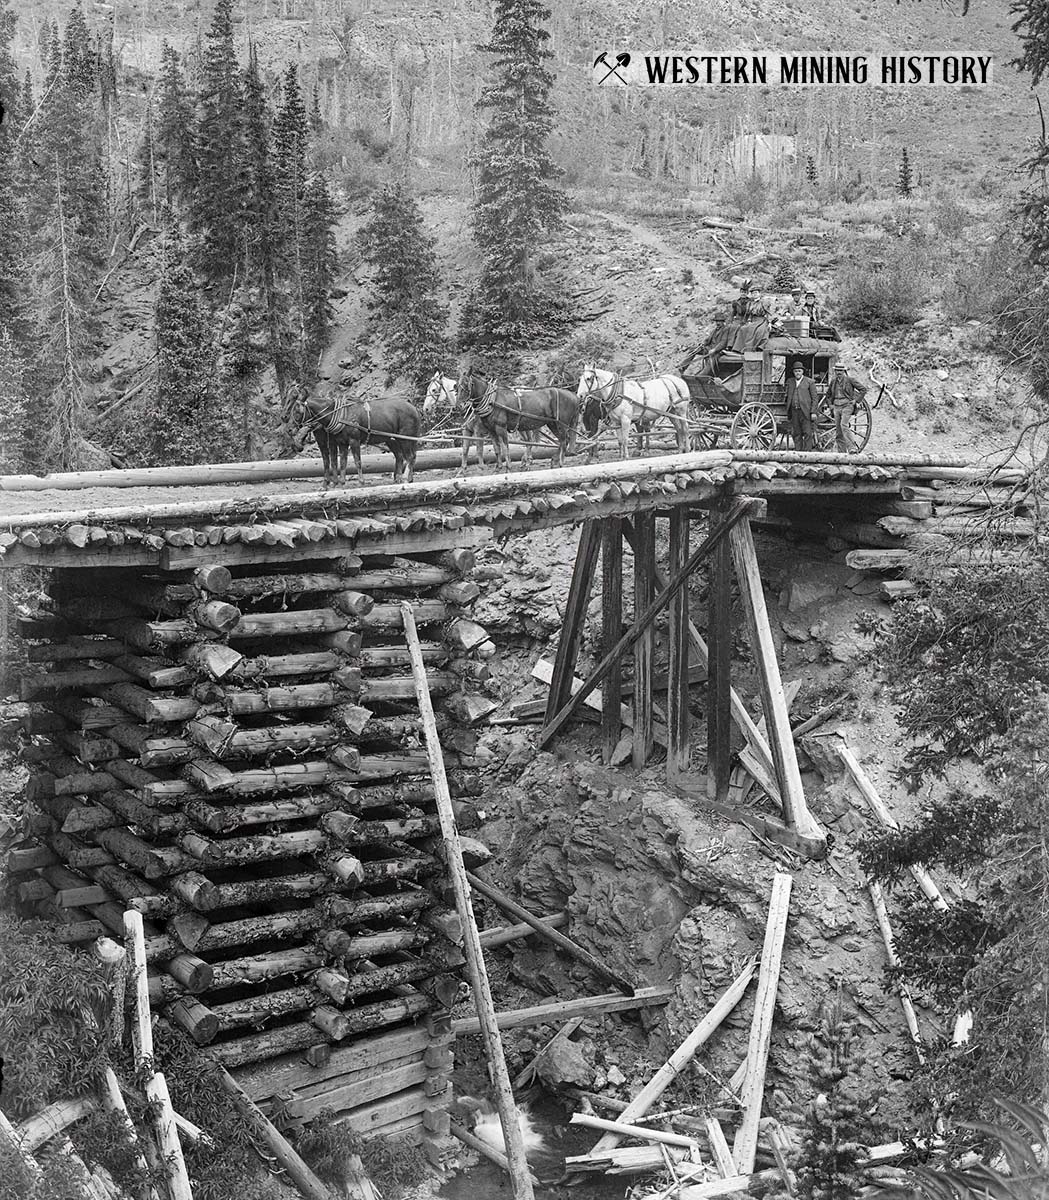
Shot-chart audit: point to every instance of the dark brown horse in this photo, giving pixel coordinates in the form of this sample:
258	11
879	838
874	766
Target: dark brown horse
503	409
340	425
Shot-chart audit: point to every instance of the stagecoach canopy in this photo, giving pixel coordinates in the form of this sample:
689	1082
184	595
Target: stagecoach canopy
802	345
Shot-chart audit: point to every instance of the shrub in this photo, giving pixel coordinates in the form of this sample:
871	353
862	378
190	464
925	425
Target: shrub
53	1007
879	300
563	366
749	195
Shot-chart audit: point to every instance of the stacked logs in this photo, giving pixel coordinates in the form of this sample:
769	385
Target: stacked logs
938	510
240	760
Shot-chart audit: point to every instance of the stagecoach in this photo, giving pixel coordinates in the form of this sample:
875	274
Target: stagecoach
745	398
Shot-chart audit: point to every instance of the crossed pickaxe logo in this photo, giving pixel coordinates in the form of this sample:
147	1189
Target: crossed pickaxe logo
622	62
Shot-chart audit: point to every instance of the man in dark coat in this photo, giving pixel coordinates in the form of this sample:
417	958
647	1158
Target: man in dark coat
801	402
843	395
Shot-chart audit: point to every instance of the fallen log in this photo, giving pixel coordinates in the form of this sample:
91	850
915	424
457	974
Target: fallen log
622	1129
510	906
563	1010
52	1120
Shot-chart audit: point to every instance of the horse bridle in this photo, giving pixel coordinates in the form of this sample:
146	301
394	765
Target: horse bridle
616	392
328	420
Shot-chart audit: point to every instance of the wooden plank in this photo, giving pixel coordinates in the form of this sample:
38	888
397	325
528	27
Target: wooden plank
683	1055
291	1071
745	1144
611	629
878	806
475	964
623	1129
738	511
644	651
575	618
678	717
788	776
719	666
906	1003
564	1010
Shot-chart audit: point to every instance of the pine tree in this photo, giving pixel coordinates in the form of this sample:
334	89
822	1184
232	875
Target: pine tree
319	264
786	277
78	57
218	198
517	196
12	228
404	293
261	219
291	142
187	427
12	405
146	166
811	173
835	1129
53	59
905	182
57	413
174	131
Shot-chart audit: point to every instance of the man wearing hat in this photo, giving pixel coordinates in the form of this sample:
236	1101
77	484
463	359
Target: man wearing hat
843	395
711	346
814	314
801	401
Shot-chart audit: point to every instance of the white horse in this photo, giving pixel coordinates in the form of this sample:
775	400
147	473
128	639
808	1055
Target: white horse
627	402
443	389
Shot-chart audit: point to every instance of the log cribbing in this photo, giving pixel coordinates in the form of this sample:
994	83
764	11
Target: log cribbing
520	1176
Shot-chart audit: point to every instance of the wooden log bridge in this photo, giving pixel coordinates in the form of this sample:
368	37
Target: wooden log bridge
226	735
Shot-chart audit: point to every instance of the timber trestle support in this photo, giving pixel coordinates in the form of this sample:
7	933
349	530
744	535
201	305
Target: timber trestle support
727	546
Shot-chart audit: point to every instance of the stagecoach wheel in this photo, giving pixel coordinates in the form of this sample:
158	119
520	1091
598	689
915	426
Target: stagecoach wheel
753	428
859	427
704	438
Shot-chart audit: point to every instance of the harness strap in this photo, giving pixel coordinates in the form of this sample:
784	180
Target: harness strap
483	407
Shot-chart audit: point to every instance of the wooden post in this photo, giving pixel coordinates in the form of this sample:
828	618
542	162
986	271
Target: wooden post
745	1145
155	1087
678	749
575	618
520	1177
644	651
812	839
719	667
611	628
736	513
746	725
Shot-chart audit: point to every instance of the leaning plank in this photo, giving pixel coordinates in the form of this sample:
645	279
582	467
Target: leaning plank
563	1010
50	1121
520	1178
788	776
300	1174
634	1131
683	1055
867	790
906	1003
482	1148
745	1145
503	901
113	1102
156	1088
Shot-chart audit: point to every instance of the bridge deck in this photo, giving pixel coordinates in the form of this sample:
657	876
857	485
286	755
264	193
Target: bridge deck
86	528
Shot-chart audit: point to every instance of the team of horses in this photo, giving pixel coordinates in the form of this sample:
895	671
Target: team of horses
492	411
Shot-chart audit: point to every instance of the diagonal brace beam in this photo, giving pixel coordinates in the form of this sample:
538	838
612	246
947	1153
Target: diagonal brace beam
740	509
